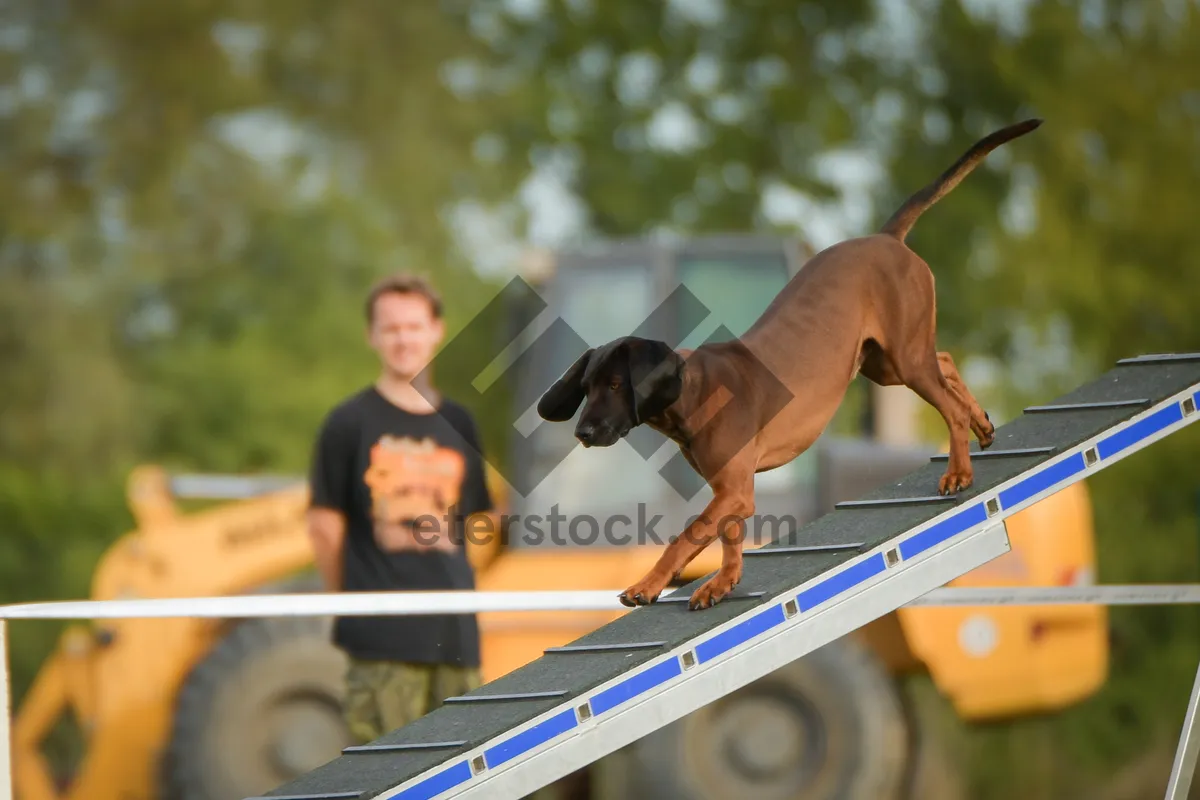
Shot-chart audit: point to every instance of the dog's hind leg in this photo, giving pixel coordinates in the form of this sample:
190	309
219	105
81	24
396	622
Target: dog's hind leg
878	368
926	379
924	375
902	348
981	424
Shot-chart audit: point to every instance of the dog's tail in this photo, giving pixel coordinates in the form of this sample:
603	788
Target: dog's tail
902	221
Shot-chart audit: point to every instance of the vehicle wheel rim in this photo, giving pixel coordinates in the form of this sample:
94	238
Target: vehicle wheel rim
764	739
301	731
771	743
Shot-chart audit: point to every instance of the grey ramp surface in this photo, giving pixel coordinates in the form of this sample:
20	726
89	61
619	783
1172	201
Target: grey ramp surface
765	577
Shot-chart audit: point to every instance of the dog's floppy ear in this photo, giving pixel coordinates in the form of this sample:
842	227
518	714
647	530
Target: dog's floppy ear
561	400
655	375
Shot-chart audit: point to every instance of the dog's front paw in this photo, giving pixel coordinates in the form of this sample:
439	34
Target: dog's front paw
714	590
644	592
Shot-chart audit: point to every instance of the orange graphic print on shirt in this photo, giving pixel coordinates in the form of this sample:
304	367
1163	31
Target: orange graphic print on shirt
412	482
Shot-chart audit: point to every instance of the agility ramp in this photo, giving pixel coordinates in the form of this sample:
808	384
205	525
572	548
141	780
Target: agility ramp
656	664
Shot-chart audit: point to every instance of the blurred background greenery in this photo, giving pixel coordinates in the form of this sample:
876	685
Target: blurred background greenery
195	195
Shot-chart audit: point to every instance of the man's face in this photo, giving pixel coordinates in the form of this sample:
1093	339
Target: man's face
404	333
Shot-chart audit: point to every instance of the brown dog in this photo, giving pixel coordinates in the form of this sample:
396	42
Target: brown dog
866	305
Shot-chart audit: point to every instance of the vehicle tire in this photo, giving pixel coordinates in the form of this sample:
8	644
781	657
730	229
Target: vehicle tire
262	708
829	726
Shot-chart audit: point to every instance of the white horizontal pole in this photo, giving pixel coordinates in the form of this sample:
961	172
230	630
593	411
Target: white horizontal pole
317	604
474	602
1147	594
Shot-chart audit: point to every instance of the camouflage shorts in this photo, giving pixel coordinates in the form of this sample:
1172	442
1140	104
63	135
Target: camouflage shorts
384	695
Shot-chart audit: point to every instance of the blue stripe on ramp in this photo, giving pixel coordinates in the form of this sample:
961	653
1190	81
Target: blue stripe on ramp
1042	480
527	740
1140	430
636	684
743	632
941	531
840	582
434	785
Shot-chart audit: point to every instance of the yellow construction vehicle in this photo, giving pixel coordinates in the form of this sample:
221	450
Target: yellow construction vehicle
184	709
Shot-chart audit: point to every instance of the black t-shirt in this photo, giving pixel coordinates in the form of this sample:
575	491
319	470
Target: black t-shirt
376	462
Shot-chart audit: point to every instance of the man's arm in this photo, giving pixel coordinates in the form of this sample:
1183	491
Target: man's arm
327	531
329	484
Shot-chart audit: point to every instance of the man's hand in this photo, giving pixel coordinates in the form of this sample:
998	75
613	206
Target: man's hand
326	531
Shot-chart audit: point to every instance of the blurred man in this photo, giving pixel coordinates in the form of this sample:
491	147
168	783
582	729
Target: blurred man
396	469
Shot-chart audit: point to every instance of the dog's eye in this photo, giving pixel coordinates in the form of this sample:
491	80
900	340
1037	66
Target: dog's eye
614	385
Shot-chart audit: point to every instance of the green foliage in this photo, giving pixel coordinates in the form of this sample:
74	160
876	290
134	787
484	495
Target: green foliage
55	528
601	89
